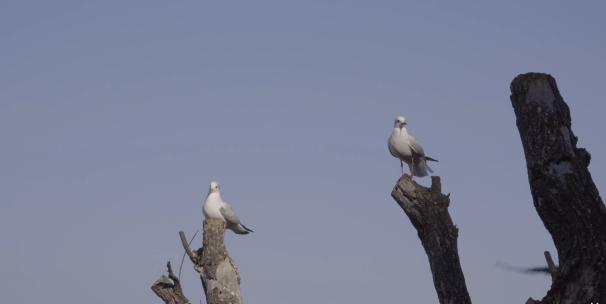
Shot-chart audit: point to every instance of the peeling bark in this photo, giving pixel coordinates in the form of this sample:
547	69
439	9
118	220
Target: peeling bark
563	191
427	209
168	288
218	272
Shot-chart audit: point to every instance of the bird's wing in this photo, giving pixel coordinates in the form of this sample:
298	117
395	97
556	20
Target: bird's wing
415	146
229	215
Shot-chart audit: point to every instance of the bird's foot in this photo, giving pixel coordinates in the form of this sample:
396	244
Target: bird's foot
406	176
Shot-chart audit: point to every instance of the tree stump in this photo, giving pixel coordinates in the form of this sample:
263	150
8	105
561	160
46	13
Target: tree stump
168	288
427	209
218	272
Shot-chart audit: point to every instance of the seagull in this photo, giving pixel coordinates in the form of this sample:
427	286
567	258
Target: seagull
215	207
406	148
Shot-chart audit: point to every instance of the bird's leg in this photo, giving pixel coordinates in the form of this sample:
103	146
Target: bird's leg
412	170
402	167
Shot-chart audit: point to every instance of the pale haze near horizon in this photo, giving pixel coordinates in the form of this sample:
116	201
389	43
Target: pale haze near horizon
115	116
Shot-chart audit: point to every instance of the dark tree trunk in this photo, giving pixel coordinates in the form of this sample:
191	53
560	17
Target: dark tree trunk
427	209
563	192
218	272
169	288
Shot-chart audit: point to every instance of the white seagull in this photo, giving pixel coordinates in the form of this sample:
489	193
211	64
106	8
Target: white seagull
406	148
215	207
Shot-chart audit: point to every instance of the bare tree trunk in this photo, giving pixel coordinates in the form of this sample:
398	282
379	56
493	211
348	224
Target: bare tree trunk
169	288
219	275
427	209
563	192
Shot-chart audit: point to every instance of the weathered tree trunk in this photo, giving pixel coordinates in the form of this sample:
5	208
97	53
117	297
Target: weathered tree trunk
563	192
427	209
219	275
169	288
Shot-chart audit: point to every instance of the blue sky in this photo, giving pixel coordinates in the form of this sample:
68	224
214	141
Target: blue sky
115	116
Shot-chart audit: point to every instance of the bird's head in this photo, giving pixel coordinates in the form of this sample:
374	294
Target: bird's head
214	187
400	122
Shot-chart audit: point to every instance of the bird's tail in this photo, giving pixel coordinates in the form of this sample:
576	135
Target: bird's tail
247	229
244	230
421	168
431	159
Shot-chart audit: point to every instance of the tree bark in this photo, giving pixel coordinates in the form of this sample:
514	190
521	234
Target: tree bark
169	288
563	191
427	209
218	272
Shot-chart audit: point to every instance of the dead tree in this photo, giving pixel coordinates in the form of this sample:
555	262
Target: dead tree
427	209
218	272
563	191
168	288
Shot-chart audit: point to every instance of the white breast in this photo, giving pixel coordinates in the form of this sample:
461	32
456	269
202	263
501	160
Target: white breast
398	144
212	207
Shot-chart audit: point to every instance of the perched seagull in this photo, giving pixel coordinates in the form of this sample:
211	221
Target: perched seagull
215	207
406	148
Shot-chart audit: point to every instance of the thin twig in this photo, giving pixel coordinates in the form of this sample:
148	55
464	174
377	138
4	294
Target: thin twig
553	269
171	275
185	252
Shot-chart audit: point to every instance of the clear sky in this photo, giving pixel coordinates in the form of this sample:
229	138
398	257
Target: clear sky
115	116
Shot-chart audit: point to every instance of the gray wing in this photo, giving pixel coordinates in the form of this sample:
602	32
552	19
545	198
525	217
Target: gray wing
232	221
229	215
415	146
